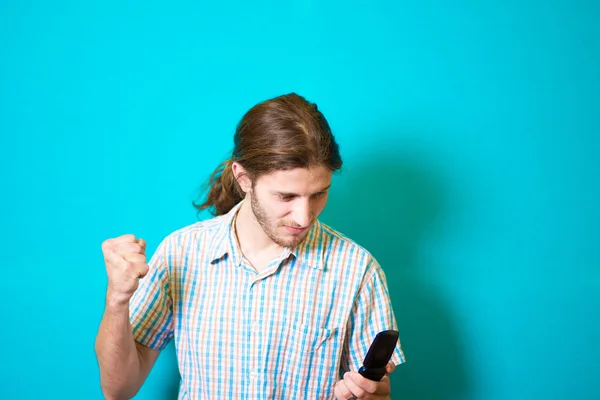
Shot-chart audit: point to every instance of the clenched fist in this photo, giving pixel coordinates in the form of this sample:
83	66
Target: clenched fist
125	258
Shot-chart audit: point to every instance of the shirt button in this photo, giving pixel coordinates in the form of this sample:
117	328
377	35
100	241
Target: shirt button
255	327
254	374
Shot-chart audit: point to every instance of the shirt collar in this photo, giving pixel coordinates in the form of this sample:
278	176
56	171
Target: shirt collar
224	234
310	252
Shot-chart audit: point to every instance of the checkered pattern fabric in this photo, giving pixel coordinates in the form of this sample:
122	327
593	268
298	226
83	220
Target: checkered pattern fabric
288	332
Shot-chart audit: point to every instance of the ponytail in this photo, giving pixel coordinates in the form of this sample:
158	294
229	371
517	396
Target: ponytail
223	191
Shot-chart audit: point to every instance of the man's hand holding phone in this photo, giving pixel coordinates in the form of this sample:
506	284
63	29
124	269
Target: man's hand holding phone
356	386
371	382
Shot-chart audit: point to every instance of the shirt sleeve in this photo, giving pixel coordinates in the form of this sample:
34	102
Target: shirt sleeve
151	306
371	313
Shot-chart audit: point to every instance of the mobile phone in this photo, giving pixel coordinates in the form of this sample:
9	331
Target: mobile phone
379	355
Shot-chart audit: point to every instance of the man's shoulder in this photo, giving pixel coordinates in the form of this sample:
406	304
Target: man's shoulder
336	241
200	230
347	256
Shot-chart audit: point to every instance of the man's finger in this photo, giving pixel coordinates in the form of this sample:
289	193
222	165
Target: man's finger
134	257
136	270
367	386
390	367
128	237
113	258
354	388
123	248
142	243
342	392
142	269
111	243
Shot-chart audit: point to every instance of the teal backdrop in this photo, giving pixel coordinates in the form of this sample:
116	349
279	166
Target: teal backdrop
470	135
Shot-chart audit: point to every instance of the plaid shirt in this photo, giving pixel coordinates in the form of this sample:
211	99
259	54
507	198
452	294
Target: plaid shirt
287	332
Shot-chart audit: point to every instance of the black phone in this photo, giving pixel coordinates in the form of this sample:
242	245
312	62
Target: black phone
379	355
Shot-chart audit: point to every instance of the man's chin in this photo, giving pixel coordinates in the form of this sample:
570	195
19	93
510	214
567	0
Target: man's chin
292	241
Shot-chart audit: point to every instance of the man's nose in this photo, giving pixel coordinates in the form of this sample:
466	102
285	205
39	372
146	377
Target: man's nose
302	213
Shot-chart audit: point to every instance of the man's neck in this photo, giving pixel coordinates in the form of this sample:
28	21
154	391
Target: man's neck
253	241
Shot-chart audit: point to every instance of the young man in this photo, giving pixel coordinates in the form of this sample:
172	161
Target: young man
263	301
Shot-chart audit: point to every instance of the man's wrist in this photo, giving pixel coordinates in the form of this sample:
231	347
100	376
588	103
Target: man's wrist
117	301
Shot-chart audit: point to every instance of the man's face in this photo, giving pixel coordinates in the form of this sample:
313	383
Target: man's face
287	203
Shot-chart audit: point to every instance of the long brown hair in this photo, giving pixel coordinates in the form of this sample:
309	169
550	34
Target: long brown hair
281	133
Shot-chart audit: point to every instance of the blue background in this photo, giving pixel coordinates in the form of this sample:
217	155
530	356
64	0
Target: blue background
469	131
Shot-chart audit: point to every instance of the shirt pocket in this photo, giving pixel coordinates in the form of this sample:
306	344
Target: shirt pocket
311	355
309	339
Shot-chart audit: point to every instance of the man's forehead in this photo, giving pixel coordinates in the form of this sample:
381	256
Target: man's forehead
298	177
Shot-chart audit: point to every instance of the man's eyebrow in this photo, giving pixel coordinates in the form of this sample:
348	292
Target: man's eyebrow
325	188
296	194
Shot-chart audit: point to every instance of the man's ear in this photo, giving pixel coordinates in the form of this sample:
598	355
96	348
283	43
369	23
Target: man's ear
240	175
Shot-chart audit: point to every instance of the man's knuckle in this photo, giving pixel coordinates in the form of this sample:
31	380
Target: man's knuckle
373	387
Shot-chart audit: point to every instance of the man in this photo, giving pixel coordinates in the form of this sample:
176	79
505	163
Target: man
263	301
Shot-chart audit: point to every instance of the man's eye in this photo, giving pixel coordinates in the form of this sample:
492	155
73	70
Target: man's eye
285	197
320	194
